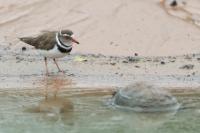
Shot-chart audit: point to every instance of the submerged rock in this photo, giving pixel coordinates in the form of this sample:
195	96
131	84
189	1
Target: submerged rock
142	97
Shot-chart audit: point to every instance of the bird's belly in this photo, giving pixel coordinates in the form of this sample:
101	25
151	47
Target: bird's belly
53	53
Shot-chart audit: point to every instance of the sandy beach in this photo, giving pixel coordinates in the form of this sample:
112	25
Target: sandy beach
118	27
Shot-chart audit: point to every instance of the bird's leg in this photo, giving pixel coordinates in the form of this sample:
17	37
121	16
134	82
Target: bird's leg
57	65
47	72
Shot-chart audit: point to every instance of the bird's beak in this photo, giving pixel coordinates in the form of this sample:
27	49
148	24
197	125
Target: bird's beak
74	40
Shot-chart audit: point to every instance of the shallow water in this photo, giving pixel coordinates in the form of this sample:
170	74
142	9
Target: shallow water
65	103
27	111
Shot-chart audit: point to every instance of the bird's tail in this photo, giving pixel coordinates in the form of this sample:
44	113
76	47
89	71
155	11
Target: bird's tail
27	40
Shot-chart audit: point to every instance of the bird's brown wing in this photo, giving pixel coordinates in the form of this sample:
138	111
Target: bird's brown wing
48	31
45	41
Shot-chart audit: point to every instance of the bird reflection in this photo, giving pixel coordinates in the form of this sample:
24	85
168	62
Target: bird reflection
53	107
54	84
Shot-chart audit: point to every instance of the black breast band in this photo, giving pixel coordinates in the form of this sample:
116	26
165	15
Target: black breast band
62	50
62	47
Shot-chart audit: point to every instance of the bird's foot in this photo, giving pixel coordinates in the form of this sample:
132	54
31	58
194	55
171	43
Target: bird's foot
70	74
47	74
65	72
61	71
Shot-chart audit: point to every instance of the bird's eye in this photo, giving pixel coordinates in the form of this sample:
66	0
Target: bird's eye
65	35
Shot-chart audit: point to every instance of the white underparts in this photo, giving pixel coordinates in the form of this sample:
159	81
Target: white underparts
52	53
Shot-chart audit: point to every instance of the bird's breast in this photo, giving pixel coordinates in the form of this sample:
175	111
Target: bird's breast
53	53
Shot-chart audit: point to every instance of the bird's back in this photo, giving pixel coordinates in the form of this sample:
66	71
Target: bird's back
45	41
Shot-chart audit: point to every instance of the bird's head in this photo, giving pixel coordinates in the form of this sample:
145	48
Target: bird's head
68	36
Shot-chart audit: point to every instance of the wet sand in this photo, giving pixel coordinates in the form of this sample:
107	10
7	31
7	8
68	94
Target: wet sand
26	70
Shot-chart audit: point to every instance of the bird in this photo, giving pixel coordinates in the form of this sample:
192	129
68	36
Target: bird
173	3
52	44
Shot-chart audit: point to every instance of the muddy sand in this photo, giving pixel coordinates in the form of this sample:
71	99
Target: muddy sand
91	73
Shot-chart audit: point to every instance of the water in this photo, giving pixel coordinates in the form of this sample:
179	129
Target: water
23	112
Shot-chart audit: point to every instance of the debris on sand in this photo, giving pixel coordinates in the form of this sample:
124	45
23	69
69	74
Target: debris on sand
173	3
162	62
194	73
142	97
133	59
188	67
198	59
137	66
80	59
188	57
125	61
19	59
172	61
23	48
113	63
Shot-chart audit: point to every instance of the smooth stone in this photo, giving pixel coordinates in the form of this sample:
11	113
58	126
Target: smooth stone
142	97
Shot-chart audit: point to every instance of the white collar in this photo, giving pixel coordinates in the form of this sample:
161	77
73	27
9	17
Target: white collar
61	44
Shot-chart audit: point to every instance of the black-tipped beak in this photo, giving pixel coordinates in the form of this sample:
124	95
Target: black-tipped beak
74	40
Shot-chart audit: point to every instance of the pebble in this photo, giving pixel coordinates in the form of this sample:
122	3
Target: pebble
23	48
188	67
162	62
142	97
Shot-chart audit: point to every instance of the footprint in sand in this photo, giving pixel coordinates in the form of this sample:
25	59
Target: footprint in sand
183	10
